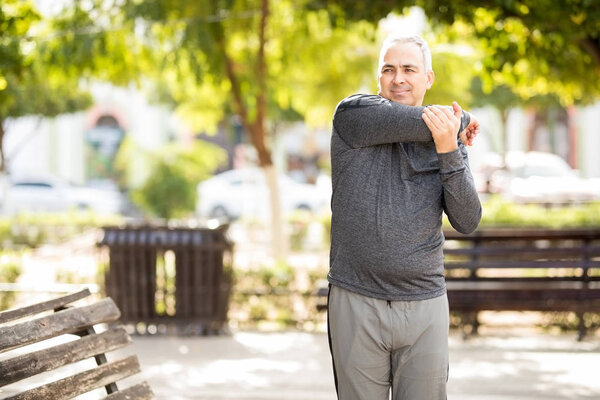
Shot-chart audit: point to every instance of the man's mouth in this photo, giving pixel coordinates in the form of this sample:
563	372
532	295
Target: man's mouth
399	92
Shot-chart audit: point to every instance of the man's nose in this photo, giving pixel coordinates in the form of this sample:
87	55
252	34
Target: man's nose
398	77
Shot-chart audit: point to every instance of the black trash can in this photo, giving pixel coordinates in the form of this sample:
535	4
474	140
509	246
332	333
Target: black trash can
163	278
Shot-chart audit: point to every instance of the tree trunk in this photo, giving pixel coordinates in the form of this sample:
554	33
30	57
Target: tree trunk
532	129
256	129
3	174
573	136
2	160
504	132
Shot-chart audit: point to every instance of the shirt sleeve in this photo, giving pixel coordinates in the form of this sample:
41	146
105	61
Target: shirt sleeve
368	120
461	202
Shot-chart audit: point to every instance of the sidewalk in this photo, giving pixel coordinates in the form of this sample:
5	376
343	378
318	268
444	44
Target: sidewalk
296	366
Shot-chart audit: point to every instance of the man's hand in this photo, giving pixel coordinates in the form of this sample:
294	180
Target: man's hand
470	132
443	124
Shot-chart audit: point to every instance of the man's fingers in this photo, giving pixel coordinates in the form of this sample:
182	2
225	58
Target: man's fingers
446	113
431	120
457	109
438	112
464	137
428	118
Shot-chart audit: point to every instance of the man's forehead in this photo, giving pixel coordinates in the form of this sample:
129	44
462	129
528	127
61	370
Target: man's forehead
406	51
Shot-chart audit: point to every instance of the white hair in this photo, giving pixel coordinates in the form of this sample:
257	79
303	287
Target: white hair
394	39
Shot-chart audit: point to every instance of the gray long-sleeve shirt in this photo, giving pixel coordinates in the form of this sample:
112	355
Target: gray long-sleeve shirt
390	187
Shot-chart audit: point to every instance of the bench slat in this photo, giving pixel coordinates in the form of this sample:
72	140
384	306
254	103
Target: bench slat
11	315
140	391
83	382
27	365
66	321
522	264
577	300
526	252
524	233
513	285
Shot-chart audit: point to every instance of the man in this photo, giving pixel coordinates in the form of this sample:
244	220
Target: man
396	166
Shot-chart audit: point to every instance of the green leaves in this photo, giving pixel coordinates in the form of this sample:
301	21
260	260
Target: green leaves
535	47
313	60
170	188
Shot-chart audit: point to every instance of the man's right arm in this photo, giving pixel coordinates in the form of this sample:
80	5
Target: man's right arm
368	120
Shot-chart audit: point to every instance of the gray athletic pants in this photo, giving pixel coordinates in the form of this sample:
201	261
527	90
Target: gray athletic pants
378	345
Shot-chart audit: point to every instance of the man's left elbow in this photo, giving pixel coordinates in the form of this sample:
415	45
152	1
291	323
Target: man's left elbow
469	226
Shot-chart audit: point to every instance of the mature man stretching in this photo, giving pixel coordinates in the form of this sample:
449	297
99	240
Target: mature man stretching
396	166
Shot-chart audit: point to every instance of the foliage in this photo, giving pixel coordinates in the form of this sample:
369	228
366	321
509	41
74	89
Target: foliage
10	270
32	230
499	213
298	222
453	74
170	189
279	276
311	62
271	295
260	60
536	47
30	83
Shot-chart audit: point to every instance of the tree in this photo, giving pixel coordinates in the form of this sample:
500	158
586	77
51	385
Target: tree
250	58
170	190
26	87
535	47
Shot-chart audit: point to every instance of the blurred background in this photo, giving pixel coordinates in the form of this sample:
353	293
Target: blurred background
205	113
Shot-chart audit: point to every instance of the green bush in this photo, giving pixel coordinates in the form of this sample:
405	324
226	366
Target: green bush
501	213
33	229
170	189
279	276
10	270
299	221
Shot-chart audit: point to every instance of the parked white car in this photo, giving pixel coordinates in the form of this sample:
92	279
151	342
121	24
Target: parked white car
537	177
244	193
51	194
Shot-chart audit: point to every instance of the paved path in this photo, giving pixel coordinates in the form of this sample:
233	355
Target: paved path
296	366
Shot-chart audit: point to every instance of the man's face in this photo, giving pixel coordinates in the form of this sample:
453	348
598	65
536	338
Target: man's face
402	77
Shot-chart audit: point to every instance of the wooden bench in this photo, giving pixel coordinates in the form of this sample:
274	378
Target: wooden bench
519	270
524	270
46	336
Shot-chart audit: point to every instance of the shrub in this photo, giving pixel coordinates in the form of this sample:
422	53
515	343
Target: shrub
170	189
10	270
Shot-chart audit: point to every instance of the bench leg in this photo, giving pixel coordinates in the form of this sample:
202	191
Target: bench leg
581	330
100	359
470	324
475	323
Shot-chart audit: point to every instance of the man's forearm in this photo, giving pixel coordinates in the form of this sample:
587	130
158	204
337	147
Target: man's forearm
461	201
369	120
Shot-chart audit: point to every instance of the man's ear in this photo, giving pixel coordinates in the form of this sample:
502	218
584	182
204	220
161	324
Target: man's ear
430	78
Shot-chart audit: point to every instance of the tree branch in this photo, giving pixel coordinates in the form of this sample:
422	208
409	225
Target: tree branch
261	67
2	155
592	46
256	128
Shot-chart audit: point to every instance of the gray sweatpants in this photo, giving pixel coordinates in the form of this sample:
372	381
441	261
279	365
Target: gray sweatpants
378	346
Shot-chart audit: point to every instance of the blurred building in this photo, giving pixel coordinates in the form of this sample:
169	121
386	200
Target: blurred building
81	147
